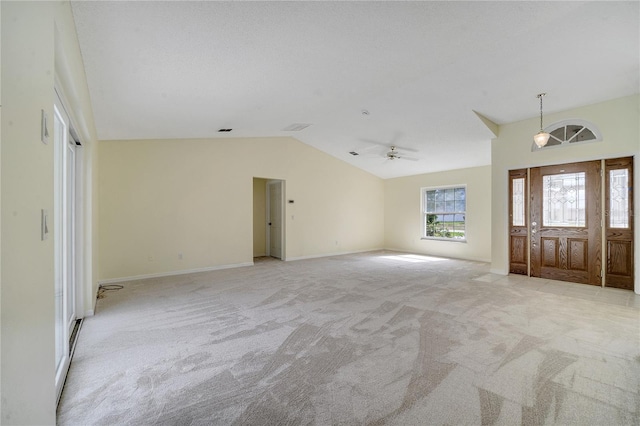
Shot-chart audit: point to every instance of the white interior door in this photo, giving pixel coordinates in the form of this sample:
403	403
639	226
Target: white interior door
274	188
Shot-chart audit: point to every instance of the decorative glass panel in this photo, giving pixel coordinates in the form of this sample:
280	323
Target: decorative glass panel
518	202
564	200
619	198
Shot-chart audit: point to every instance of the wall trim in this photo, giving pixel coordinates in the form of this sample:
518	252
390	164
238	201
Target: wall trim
172	273
316	256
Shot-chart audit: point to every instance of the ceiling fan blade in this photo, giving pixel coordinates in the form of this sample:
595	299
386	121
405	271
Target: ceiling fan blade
387	145
402	148
398	137
372	142
403	157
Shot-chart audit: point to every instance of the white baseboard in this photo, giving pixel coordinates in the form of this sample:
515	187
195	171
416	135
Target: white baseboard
316	256
499	271
171	273
89	313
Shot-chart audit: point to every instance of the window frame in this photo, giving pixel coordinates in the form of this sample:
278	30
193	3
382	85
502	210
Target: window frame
424	213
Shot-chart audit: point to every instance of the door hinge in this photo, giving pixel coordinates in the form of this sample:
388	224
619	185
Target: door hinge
601	172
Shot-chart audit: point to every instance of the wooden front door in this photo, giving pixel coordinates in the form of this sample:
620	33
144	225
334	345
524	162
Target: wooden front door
565	222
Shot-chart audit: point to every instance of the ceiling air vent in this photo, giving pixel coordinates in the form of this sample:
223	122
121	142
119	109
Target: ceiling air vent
296	127
224	130
353	153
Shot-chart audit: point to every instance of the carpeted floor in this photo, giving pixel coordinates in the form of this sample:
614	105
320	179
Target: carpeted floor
374	338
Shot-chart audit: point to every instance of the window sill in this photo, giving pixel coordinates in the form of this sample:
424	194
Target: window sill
453	240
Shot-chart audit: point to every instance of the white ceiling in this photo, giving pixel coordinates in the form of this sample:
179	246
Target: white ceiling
186	69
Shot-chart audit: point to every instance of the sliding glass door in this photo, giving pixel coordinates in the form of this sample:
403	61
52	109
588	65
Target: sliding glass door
65	225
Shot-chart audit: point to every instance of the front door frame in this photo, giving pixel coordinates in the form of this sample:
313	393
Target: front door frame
522	235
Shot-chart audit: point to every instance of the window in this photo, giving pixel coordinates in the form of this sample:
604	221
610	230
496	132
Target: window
444	212
569	132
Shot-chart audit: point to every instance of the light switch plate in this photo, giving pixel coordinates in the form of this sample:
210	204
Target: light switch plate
44	130
44	224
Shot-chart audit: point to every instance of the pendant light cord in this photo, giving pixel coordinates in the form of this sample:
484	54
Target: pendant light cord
540	97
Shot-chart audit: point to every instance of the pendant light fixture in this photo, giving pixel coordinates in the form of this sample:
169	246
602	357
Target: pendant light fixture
541	138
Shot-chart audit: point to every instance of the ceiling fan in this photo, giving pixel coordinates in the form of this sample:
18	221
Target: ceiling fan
394	154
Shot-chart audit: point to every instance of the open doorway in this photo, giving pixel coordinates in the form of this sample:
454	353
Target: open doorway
268	219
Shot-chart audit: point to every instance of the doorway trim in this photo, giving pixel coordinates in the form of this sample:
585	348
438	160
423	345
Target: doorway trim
282	234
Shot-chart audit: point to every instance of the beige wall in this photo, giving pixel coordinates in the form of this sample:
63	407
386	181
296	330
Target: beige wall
618	120
159	198
38	43
259	217
402	213
27	170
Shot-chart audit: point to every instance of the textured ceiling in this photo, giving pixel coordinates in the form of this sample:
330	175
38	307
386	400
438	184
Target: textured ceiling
186	69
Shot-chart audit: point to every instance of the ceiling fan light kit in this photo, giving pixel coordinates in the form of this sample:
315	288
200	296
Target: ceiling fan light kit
395	155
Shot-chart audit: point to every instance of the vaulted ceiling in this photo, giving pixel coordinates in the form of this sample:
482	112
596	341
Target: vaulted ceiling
363	75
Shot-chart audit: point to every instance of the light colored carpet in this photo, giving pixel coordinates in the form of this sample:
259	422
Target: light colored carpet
374	338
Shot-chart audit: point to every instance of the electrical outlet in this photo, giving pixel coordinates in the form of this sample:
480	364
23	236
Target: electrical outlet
180	256
150	258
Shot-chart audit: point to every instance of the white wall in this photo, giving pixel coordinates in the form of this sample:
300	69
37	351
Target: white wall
618	120
35	36
403	218
159	198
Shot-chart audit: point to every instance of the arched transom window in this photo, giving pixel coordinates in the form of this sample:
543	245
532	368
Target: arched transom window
567	132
